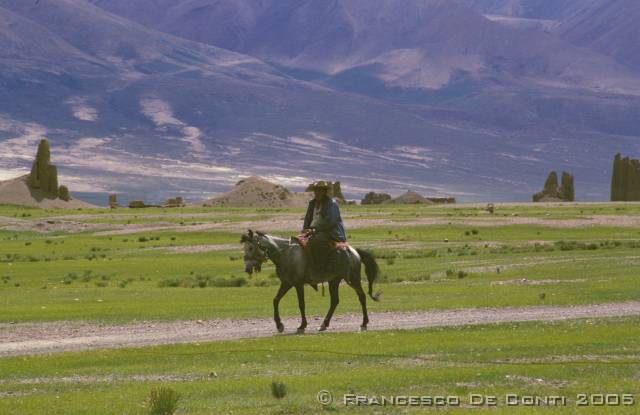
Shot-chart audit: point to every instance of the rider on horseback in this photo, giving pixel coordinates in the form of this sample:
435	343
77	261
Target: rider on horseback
322	224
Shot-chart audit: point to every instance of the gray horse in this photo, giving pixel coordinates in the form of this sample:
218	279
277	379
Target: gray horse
292	268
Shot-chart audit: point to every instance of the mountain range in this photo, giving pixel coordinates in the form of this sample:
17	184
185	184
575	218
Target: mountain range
476	99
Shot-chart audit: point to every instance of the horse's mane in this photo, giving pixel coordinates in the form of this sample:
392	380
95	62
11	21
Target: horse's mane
275	239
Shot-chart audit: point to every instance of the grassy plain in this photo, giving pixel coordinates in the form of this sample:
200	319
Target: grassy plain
195	273
431	258
533	359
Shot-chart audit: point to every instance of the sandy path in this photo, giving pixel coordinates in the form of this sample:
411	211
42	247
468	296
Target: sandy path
38	338
287	224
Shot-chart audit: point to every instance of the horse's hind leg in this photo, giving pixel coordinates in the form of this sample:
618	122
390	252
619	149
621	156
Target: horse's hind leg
357	286
284	288
333	292
303	324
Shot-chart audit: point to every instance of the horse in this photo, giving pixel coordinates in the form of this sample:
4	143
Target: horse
291	267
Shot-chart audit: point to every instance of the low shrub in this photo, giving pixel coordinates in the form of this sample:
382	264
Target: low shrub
278	390
231	282
163	401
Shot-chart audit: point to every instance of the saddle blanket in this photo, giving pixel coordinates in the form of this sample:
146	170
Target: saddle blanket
303	240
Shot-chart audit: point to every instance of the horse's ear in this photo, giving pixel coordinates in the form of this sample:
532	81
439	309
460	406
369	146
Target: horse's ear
250	233
260	233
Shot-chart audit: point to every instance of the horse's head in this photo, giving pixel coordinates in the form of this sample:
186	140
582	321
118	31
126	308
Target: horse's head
254	254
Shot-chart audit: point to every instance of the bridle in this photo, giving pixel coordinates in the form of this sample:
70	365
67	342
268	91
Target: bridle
262	249
255	241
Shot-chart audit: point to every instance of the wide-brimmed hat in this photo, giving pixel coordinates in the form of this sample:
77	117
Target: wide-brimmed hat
320	184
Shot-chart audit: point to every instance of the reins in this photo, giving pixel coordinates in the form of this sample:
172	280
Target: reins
263	250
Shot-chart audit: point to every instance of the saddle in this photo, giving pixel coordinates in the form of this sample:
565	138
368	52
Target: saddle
339	248
303	241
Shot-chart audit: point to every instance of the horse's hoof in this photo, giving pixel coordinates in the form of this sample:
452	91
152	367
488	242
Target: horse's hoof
280	328
322	328
300	330
363	328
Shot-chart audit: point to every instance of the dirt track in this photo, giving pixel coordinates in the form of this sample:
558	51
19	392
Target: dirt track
291	222
38	338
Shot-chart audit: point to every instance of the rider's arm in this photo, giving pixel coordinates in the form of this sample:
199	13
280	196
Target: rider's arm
308	218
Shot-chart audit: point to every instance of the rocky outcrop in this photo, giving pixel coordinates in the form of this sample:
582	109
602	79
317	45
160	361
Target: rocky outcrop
567	190
44	175
40	187
258	192
373	198
552	192
63	193
625	181
18	192
410	198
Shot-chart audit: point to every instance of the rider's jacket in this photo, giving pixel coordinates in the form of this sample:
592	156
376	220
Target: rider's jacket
329	222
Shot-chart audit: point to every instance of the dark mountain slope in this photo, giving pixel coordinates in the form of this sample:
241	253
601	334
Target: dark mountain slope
378	96
611	28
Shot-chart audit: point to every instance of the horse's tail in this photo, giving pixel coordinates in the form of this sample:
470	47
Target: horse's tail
372	270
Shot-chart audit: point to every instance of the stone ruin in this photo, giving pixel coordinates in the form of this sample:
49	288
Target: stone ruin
337	191
113	201
625	182
140	204
137	204
174	202
373	198
44	175
442	200
554	193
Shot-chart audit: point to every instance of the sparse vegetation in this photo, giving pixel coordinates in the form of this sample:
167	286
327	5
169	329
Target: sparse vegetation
163	401
203	281
405	254
84	276
278	389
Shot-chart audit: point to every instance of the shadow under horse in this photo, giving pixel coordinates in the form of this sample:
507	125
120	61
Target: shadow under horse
292	268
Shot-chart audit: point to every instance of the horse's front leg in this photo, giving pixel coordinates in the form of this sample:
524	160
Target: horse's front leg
333	292
284	288
300	291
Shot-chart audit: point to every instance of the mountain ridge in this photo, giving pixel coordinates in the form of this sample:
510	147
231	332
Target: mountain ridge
476	115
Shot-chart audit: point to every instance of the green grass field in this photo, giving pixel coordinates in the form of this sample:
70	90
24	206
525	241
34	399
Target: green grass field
567	359
188	272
